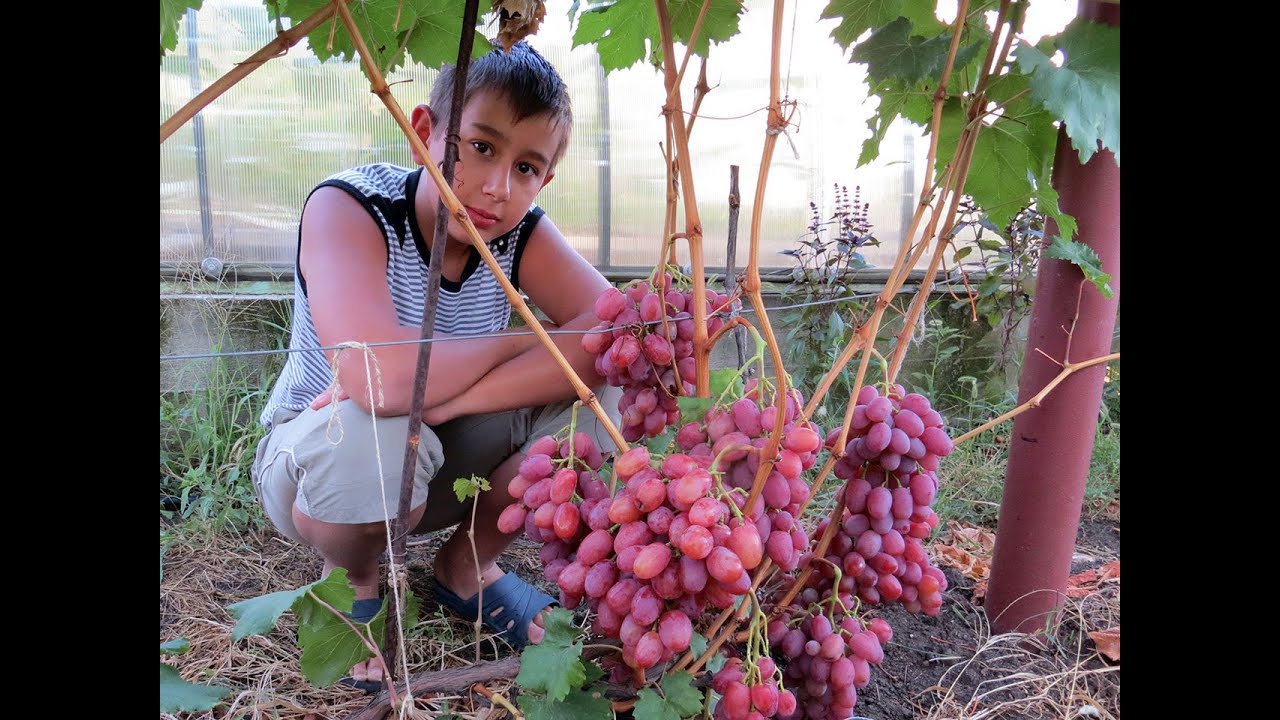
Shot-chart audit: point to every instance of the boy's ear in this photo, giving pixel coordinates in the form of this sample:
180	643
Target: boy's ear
548	180
421	122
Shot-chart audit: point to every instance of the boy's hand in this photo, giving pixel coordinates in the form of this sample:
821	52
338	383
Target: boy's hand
336	394
438	414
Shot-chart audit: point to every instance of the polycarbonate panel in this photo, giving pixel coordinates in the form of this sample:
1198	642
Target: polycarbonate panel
269	140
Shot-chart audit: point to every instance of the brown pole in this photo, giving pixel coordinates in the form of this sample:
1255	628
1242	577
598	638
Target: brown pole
1051	445
401	529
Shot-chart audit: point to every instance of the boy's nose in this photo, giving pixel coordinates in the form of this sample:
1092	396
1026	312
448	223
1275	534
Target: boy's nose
498	185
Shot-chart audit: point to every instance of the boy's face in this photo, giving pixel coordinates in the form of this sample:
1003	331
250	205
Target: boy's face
501	166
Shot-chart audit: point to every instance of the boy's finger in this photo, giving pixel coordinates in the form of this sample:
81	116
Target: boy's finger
327	397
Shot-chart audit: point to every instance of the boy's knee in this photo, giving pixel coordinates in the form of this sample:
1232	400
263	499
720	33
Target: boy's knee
343	475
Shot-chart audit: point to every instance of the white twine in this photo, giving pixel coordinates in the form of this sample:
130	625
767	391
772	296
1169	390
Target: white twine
393	573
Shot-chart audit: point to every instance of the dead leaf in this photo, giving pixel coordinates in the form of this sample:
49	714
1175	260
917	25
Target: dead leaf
1108	642
972	535
1090	581
517	19
970	551
979	591
967	563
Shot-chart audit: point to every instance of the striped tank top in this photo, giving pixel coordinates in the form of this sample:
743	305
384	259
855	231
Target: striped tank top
472	306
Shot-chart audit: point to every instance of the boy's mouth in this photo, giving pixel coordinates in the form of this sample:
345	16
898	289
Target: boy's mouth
481	219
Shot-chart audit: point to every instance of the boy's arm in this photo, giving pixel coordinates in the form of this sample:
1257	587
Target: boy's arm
565	287
344	259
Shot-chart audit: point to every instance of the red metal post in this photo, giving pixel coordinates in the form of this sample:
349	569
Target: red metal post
1050	447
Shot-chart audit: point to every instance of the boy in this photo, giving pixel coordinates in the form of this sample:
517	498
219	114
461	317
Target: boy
364	246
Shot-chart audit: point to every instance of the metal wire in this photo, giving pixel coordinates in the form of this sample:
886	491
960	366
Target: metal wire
745	311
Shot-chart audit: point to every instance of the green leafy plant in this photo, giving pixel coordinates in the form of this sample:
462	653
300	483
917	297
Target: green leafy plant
825	256
330	641
469	488
208	435
674	699
1007	260
554	677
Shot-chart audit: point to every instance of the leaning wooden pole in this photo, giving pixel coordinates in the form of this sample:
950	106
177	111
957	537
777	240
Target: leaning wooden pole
273	49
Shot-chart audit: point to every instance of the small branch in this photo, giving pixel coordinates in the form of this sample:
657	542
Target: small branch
817	484
731	255
700	91
273	49
693	223
475	555
497	698
377	653
453	681
774	127
732	323
1067	369
688	51
833	522
1066	354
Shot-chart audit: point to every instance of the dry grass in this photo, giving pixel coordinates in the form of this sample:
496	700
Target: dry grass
1056	674
204	574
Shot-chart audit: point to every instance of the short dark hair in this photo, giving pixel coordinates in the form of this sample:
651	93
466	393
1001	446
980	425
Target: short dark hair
529	83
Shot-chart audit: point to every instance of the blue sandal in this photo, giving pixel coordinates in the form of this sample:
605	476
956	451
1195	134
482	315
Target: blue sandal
510	605
362	611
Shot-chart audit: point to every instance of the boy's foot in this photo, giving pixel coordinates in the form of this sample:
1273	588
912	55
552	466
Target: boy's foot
365	675
512	607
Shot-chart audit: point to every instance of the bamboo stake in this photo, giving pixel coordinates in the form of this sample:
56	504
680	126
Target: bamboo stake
751	286
693	223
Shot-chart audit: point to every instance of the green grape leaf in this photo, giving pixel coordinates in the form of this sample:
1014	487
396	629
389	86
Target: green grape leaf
698	644
1047	203
171	12
722	379
892	52
1085	92
582	705
626	32
693	409
680	693
858	16
657	445
1010	152
257	616
428	30
554	666
178	695
329	647
175	647
1083	257
470	487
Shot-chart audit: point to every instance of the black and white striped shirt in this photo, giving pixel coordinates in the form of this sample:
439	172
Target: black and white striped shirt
475	305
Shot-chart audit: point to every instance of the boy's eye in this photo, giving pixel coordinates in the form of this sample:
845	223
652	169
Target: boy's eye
526	169
482	147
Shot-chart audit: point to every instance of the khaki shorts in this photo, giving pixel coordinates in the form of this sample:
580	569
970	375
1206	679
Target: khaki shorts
326	465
